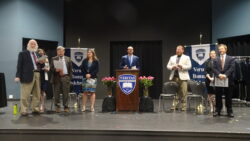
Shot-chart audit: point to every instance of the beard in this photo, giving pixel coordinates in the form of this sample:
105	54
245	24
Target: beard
31	49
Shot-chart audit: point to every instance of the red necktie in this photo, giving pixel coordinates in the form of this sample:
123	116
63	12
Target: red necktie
34	57
222	62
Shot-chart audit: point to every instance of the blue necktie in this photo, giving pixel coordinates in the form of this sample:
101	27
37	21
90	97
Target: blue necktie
130	60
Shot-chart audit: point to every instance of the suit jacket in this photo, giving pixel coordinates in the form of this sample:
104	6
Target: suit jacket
228	68
125	61
55	75
185	62
25	67
92	70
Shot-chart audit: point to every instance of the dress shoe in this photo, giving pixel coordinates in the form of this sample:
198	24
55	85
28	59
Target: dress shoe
35	112
24	114
231	115
66	110
58	109
183	109
215	114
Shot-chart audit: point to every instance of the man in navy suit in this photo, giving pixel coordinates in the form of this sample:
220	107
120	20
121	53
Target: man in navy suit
223	69
130	61
29	76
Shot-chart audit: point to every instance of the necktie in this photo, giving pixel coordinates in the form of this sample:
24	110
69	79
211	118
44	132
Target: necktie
34	57
222	62
35	61
130	60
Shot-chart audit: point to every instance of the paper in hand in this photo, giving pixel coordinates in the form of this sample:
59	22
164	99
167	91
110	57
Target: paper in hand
42	58
58	64
220	82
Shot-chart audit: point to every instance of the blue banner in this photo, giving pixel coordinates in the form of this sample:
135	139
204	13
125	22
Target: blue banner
198	55
77	55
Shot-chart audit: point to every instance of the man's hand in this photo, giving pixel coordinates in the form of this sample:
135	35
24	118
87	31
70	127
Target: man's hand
179	67
222	76
125	67
174	68
17	79
58	70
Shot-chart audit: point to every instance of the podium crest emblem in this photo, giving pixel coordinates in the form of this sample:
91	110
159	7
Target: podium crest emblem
127	83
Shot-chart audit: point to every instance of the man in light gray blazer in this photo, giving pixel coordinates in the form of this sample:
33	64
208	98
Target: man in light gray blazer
179	65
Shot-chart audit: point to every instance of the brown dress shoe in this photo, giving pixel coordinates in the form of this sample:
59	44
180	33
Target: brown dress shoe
66	110
24	114
58	109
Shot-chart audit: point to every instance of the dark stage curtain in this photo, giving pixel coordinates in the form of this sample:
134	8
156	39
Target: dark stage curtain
3	95
150	53
238	45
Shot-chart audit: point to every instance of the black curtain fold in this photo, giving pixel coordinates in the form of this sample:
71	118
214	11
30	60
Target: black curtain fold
238	45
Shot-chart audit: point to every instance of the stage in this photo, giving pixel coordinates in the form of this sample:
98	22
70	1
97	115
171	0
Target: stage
123	126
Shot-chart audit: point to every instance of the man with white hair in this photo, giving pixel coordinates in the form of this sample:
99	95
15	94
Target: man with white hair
61	77
28	75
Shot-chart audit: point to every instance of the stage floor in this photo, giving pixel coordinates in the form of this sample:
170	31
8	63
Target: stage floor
162	121
128	121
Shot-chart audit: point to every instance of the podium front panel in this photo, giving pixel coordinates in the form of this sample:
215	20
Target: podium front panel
127	90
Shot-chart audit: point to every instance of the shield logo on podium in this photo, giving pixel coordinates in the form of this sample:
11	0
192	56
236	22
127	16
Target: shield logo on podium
127	83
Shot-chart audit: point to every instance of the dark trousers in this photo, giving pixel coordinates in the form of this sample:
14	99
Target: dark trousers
62	87
228	92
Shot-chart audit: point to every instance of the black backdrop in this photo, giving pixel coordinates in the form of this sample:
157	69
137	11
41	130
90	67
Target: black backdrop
238	45
150	53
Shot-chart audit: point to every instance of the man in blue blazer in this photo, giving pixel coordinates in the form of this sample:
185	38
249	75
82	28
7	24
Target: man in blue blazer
223	69
130	61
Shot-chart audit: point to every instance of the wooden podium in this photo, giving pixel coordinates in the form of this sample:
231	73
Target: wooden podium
127	90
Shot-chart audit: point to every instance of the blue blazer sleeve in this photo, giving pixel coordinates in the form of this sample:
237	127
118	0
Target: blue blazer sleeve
122	62
137	62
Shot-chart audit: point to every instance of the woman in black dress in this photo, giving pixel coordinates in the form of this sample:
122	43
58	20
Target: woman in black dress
90	68
210	78
44	77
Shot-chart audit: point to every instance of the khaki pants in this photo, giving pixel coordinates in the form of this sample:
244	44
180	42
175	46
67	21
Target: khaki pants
181	94
62	87
31	88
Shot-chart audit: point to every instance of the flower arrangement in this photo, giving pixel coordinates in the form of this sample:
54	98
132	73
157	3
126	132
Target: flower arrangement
146	82
110	82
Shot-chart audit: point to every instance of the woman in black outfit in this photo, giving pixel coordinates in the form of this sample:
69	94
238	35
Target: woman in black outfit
90	68
44	77
210	78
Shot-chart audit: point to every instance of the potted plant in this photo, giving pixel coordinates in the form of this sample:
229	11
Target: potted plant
146	82
110	82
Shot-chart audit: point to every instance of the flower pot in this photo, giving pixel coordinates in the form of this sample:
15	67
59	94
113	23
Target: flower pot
145	91
109	90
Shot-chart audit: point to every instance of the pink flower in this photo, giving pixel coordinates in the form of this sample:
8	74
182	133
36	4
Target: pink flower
150	78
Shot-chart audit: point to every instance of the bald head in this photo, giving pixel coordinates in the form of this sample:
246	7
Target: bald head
130	50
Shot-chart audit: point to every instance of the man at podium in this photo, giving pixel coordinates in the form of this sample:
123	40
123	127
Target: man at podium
130	61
